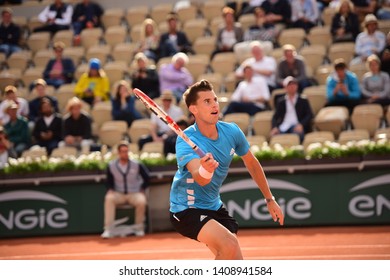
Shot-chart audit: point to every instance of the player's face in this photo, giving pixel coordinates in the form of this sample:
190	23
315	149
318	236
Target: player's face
207	107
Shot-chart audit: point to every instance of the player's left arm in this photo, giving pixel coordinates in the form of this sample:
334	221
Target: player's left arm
256	171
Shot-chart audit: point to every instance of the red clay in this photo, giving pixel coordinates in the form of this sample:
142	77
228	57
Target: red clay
309	243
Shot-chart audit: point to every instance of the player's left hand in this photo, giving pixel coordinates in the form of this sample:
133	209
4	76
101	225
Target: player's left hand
276	212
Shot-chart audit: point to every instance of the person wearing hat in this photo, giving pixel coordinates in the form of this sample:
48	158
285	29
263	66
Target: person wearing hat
123	104
370	41
293	113
251	95
59	70
11	95
35	104
229	34
173	41
94	85
5	146
77	126
9	33
291	64
342	87
145	76
174	76
160	131
17	129
55	17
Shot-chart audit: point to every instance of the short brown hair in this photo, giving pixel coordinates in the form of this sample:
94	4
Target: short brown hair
123	143
339	64
190	96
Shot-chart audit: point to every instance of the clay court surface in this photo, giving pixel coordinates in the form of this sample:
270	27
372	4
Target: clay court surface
309	243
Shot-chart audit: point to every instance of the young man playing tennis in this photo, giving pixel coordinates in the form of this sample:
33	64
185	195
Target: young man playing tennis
195	204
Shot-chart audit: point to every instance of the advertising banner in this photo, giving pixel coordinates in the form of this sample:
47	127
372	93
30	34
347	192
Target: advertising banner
327	198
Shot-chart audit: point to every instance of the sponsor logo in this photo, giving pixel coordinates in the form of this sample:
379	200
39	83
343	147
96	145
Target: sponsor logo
28	218
366	206
202	217
298	207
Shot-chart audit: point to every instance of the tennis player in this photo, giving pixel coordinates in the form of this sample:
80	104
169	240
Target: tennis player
196	208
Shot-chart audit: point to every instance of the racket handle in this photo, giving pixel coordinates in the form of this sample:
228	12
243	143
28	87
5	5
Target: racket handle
200	152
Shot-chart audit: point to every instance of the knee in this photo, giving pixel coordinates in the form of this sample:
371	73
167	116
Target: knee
231	248
109	197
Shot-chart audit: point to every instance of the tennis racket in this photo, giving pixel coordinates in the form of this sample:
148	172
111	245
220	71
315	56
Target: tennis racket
152	106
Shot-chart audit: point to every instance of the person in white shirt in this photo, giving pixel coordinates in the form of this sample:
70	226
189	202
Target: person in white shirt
293	113
11	95
160	131
370	41
251	95
55	17
262	65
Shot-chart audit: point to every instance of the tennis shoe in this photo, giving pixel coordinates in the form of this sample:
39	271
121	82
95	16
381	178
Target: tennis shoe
139	233
107	234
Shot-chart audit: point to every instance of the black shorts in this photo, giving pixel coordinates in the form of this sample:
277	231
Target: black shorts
190	221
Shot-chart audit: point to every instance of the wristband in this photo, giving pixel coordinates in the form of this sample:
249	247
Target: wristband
268	200
204	173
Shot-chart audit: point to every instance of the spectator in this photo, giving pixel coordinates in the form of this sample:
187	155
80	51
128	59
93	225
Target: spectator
277	11
9	33
304	14
145	77
384	10
364	7
263	65
35	104
370	41
173	41
251	96
345	24
59	70
385	55
126	183
342	87
86	14
174	76
170	142
48	127
262	30
5	146
11	95
149	40
229	34
77	131
94	85
123	104
160	131
17	129
292	65
375	84
55	17
293	113
248	7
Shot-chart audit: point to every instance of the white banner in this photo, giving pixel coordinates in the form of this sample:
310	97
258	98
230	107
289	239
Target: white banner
192	269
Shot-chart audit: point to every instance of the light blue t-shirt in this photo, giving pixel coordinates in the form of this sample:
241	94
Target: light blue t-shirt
185	192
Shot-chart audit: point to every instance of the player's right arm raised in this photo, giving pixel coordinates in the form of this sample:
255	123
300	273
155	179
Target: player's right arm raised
202	169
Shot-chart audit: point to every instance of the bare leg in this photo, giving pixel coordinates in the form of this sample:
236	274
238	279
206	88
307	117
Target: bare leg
220	241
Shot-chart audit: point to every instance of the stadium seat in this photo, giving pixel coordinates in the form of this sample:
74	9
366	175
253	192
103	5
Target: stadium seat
317	137
124	52
136	15
195	28
112	17
332	119
159	12
211	9
353	135
139	128
64	152
344	50
115	35
293	36
262	123
224	63
216	79
65	36
316	95
31	74
204	45
42	57
91	37
367	116
100	52
256	140
241	119
313	55
156	148
74	53
38	41
286	140
320	35
382	133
